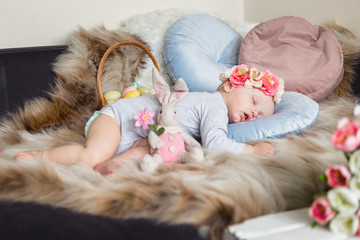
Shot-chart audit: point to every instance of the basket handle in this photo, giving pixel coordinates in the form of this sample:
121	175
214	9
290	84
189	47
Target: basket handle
103	101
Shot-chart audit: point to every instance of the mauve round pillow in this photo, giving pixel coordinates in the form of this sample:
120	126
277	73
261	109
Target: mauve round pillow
308	57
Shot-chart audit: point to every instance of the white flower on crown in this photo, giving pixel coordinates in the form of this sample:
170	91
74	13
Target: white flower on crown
255	79
280	92
226	75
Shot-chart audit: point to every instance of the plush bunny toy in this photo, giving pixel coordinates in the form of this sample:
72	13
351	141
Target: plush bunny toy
173	145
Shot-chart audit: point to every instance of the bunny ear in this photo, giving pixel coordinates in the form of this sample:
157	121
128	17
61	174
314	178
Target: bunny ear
180	89
161	87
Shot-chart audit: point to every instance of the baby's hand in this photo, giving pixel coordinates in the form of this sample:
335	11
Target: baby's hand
261	148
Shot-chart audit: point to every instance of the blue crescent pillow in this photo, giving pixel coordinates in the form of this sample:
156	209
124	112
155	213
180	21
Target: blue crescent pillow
294	113
199	47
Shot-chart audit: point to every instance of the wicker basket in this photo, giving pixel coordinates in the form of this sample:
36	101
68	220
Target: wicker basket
103	101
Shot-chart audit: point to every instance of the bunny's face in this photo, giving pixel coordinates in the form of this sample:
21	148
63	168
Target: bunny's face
167	116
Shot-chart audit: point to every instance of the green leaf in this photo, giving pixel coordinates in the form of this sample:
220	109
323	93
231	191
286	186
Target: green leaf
323	177
153	127
160	131
319	195
347	155
155	150
314	224
334	209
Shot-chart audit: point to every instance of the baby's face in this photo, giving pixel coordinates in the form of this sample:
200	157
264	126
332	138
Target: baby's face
245	104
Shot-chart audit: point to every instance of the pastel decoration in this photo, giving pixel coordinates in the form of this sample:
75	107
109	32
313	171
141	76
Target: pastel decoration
135	84
134	92
198	48
198	42
308	57
142	90
112	96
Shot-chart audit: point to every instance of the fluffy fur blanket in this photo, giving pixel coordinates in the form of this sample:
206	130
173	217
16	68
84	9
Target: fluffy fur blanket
224	189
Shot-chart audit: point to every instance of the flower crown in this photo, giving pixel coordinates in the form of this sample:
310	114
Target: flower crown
250	77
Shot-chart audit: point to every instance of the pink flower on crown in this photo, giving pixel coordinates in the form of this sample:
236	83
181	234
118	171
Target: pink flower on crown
338	176
346	138
270	83
240	75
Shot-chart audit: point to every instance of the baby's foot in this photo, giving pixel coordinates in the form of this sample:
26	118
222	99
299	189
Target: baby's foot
29	155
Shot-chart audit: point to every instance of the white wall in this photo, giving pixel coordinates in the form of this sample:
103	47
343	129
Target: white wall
49	22
345	12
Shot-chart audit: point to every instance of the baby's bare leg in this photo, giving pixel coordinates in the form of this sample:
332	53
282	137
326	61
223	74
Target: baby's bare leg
101	144
135	153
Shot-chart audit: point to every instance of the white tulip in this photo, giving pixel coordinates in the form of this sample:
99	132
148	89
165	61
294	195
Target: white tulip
354	162
355	185
345	224
343	200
